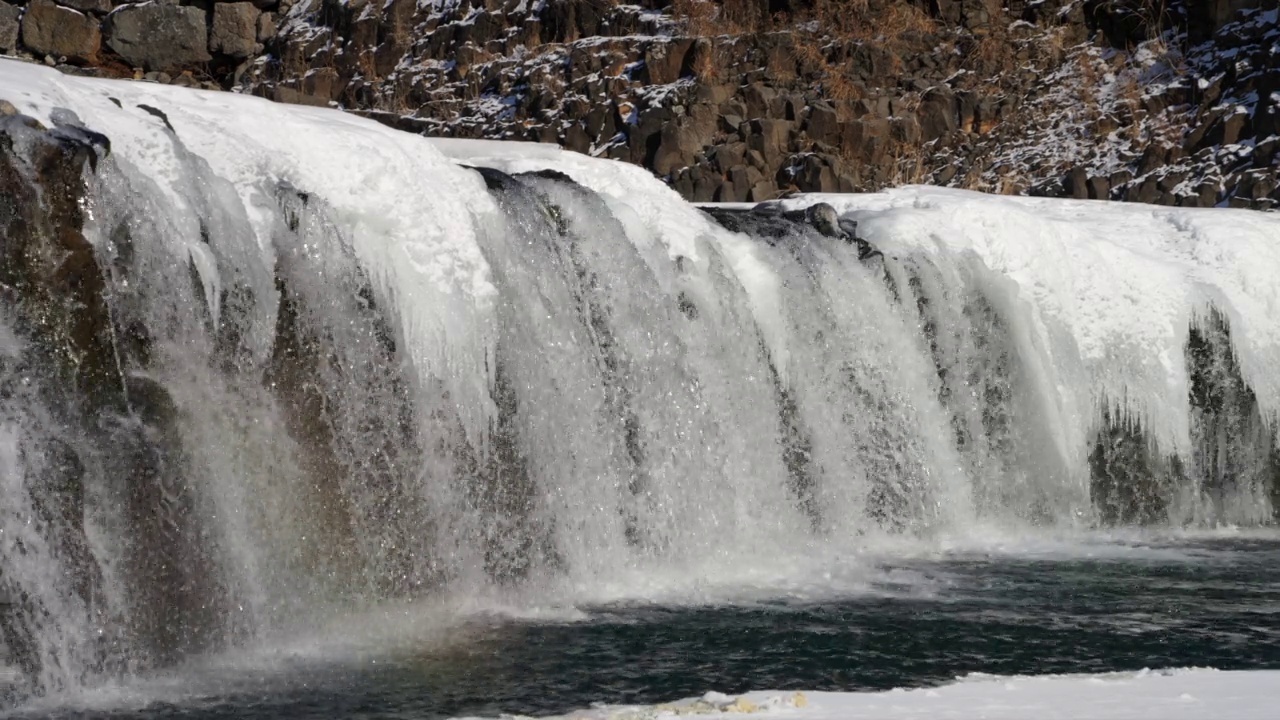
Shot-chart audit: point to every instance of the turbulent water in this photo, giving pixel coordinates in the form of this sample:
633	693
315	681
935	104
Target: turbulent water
1088	605
253	380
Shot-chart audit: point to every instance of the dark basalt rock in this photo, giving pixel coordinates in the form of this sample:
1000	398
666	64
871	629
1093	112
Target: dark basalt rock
339	373
1234	446
1132	482
94	360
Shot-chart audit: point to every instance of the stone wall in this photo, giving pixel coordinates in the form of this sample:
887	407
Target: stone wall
194	44
1172	103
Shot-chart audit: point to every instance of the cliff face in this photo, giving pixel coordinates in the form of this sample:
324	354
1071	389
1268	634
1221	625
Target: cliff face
735	102
1173	103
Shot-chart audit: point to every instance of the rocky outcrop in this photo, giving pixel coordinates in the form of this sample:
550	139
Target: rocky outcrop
88	358
59	32
235	29
1102	99
184	42
854	100
157	36
10	28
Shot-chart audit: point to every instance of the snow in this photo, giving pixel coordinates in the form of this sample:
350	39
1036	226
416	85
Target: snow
1191	694
1109	289
412	214
654	215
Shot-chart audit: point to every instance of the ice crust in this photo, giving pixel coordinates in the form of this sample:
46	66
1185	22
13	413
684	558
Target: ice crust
1186	694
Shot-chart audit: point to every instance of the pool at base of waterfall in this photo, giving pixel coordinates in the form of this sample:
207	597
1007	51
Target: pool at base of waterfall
1100	606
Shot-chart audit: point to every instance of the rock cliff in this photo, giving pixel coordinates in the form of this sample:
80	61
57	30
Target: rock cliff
747	100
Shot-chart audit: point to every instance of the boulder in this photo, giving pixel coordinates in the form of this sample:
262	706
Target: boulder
101	7
48	29
938	116
1234	127
730	155
235	29
664	60
824	124
679	142
762	191
1099	188
1077	183
815	174
158	36
9	27
266	26
758	98
770	138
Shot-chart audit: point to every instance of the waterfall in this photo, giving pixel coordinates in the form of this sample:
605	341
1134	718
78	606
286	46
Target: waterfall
263	364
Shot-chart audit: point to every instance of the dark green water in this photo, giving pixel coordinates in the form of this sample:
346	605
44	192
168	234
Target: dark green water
1104	608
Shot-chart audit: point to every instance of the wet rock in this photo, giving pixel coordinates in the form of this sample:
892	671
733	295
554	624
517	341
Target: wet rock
47	260
1131	481
824	219
158	36
48	29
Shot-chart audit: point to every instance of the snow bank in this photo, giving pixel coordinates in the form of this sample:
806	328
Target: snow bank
1197	694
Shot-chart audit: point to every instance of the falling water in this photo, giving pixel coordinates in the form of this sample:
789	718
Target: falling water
276	400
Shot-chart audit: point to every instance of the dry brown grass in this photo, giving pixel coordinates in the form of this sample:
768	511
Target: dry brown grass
835	81
698	17
711	56
1088	88
841	88
844	19
707	18
908	162
895	26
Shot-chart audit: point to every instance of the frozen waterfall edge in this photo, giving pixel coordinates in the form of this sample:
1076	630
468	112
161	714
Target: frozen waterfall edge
243	383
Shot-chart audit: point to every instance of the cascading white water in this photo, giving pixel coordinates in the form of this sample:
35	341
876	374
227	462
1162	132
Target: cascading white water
357	368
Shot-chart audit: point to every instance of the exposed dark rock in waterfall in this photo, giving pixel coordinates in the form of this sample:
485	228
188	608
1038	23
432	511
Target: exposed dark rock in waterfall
54	293
177	601
763	221
232	410
514	540
46	262
1235	453
337	369
1234	456
1131	481
797	452
503	491
771	220
62	302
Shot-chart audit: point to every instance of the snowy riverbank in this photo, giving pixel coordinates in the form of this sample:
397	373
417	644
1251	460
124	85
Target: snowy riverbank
1186	694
